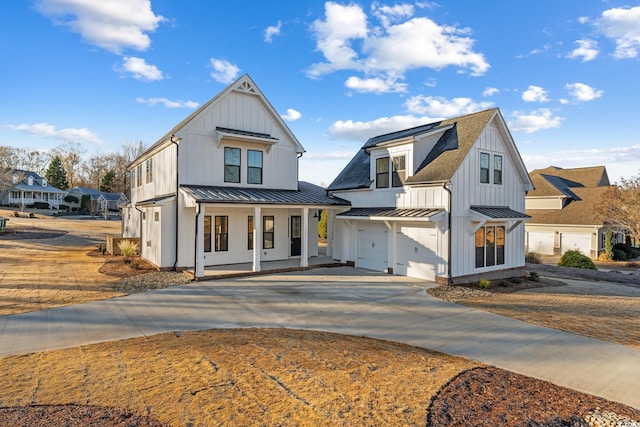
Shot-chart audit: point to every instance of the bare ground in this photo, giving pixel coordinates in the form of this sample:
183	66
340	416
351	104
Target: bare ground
279	376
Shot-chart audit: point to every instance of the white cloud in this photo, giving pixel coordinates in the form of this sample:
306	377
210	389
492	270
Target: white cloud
152	102
292	115
587	50
375	85
49	131
140	69
441	107
271	31
361	131
348	42
113	25
534	121
223	70
490	91
583	19
535	94
623	26
582	92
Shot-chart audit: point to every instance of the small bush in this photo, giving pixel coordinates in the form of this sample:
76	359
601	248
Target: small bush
516	280
532	258
128	248
533	276
484	284
504	283
41	205
575	259
619	255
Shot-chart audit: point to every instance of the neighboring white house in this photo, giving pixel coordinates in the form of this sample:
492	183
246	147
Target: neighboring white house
566	211
442	201
30	188
111	202
100	201
222	188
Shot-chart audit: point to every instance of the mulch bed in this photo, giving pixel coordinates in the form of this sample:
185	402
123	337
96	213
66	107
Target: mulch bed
72	416
493	397
24	233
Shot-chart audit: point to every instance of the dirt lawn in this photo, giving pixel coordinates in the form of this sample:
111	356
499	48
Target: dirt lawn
270	376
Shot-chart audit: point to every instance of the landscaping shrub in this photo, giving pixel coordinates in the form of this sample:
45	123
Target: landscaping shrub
484	283
128	248
619	255
533	276
576	259
516	280
504	283
532	258
41	205
626	248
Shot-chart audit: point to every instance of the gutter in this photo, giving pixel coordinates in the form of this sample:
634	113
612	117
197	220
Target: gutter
446	188
141	241
175	263
195	244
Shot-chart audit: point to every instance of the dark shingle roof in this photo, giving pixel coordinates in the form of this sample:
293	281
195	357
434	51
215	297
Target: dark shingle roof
562	179
586	209
307	194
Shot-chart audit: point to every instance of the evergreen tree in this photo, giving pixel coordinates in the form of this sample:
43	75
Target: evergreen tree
56	175
107	182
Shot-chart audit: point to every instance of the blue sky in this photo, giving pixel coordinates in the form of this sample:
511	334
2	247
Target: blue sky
565	74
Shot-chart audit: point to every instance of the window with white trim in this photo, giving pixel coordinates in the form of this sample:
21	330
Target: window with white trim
398	170
231	164
222	233
268	226
485	159
489	246
254	167
491	174
149	171
382	172
497	169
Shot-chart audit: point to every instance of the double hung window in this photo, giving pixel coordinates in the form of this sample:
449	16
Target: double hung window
231	164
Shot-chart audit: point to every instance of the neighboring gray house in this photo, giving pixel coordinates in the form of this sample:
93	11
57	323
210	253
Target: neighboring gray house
30	188
100	201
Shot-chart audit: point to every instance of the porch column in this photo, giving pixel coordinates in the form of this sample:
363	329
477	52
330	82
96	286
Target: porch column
330	233
394	248
200	243
257	241
304	255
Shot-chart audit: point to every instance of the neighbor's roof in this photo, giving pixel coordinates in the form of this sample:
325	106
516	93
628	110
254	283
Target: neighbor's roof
585	209
306	194
555	181
439	165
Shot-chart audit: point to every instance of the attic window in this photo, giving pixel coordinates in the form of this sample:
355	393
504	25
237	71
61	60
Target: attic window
30	180
44	182
382	172
398	171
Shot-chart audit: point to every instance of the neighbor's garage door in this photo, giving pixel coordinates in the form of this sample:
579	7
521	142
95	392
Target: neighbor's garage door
541	243
417	252
372	246
581	242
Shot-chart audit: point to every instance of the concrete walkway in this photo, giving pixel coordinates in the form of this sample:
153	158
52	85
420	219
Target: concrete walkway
343	300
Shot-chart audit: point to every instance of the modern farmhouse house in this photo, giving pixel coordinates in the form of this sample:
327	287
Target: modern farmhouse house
442	201
566	211
222	188
29	189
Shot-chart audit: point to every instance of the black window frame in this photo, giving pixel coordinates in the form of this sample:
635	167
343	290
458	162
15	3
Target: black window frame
382	176
228	167
398	175
207	233
268	233
497	173
250	232
221	229
490	241
485	172
251	168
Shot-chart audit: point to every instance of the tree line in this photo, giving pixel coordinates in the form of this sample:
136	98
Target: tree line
66	166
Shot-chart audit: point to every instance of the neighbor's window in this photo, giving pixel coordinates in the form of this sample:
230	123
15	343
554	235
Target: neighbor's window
231	164
497	170
149	171
484	167
382	172
139	173
222	233
398	169
489	242
267	232
156	216
250	232
254	167
207	233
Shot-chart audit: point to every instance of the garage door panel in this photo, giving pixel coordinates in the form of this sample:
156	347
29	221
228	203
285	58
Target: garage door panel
372	246
576	241
541	242
417	252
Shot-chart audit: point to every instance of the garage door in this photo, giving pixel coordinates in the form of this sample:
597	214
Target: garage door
372	246
541	242
581	242
417	252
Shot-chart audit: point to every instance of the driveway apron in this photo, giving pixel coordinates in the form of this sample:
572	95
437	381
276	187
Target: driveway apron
342	300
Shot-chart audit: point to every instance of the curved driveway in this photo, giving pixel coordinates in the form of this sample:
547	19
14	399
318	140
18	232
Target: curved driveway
343	300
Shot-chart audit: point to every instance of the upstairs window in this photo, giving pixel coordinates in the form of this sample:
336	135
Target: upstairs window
484	167
497	170
149	171
382	172
254	167
139	174
398	171
231	164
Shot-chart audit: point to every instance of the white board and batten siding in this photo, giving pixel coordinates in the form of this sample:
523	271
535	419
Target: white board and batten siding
467	191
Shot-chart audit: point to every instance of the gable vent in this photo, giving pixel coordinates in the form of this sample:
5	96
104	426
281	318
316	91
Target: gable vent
247	88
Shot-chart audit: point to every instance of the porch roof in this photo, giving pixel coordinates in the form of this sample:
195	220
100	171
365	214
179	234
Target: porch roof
391	213
306	194
499	212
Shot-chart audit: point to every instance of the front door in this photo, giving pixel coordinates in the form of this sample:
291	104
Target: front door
296	235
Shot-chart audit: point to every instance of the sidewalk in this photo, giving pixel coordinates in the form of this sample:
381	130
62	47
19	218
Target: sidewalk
343	300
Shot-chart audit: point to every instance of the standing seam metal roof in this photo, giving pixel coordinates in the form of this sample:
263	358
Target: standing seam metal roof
392	212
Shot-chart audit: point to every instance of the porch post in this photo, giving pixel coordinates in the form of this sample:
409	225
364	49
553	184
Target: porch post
200	243
394	248
304	255
330	233
257	241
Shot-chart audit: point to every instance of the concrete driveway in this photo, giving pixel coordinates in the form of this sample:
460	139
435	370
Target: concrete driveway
343	300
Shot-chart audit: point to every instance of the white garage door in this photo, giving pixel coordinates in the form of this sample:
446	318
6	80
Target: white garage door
541	242
581	242
417	252
372	246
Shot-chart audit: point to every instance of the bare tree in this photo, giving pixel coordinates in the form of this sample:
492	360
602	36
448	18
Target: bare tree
622	206
71	156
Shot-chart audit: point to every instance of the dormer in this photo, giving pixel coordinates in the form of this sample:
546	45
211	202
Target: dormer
16	178
44	182
30	181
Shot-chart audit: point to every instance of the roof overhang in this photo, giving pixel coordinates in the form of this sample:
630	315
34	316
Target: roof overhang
244	136
437	216
156	201
480	215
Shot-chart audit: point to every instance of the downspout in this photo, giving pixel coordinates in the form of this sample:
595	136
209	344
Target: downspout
445	188
141	241
195	244
175	263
